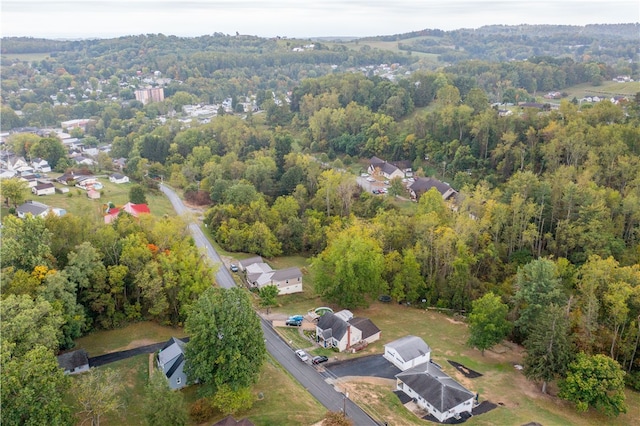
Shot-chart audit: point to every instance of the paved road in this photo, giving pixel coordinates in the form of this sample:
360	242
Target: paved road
278	348
223	276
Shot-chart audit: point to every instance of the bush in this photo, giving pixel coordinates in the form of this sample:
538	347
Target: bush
202	410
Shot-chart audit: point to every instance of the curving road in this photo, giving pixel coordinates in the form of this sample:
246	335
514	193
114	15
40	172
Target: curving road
305	373
223	276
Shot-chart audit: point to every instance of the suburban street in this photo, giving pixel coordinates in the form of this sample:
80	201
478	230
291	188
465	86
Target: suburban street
305	373
223	276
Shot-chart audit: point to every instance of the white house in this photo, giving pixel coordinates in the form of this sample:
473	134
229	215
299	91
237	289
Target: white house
45	188
342	330
259	275
32	207
170	361
436	392
41	165
378	166
118	178
31	180
407	352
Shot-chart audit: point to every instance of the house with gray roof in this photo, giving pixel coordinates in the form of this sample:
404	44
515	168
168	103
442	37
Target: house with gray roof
434	391
170	361
259	274
422	185
407	352
74	362
342	330
378	166
32	207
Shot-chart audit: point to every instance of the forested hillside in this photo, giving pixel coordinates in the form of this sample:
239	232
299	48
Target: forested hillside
547	215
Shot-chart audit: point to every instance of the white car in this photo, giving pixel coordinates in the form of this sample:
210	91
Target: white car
370	179
302	355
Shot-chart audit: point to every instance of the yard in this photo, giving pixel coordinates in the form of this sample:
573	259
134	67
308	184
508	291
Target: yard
77	203
275	387
519	401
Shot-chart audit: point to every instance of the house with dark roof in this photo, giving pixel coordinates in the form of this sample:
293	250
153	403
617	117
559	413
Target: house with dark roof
259	274
32	207
342	330
170	361
380	167
422	185
118	178
434	391
74	362
44	188
407	352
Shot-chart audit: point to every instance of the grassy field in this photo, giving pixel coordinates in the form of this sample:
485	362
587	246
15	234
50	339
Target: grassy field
77	203
131	336
275	407
608	89
520	400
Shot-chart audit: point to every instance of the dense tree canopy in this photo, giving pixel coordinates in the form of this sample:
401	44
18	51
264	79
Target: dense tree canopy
226	347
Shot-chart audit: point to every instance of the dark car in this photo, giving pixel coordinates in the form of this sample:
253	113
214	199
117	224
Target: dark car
293	322
319	359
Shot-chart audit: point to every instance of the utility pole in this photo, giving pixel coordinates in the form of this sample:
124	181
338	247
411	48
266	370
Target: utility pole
345	396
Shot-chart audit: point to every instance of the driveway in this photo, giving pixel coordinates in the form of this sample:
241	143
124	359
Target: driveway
367	366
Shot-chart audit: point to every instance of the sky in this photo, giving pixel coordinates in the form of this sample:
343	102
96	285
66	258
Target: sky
293	18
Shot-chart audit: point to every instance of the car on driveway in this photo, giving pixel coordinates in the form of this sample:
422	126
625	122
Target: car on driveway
233	267
319	359
302	355
293	322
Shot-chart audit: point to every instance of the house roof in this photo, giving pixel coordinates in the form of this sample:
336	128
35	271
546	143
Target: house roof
422	185
409	347
246	262
286	274
117	176
32	207
136	209
171	356
44	185
72	360
365	325
337	325
230	421
435	386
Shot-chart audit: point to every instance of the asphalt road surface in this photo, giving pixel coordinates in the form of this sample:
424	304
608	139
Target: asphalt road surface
307	375
223	276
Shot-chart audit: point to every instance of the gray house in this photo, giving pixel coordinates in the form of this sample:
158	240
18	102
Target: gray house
171	360
436	392
74	362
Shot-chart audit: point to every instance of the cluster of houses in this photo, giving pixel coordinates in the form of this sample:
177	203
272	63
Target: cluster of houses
415	185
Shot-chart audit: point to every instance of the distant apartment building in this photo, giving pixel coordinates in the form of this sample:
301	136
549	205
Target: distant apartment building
152	94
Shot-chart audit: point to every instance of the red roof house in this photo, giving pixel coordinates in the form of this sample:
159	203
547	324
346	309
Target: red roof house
134	210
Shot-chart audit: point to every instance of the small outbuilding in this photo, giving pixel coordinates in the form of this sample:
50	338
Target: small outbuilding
74	362
407	352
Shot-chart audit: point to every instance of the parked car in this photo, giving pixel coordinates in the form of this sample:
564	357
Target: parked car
370	179
365	175
296	318
233	267
319	359
302	355
293	323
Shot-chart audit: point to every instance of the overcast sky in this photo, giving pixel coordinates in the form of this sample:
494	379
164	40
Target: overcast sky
293	18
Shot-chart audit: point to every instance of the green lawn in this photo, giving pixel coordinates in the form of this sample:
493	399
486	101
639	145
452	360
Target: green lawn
131	336
77	203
